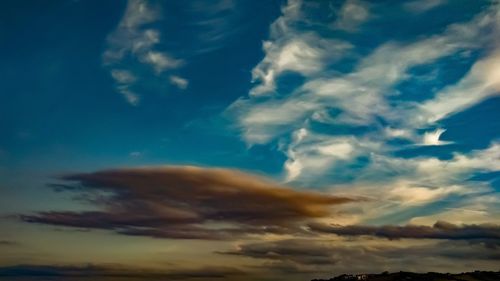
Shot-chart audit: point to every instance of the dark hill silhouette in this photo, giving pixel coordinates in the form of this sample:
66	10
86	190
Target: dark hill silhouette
410	276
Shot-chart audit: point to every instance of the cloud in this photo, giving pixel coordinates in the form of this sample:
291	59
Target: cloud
131	34
179	82
326	256
421	6
483	80
188	203
96	272
440	230
8	243
403	189
360	96
347	123
311	154
136	41
216	24
293	50
135	154
351	15
432	138
123	76
304	54
309	252
159	61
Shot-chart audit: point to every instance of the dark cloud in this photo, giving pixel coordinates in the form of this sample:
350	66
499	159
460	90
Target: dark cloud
207	272
92	272
456	250
179	202
8	243
327	256
440	230
309	252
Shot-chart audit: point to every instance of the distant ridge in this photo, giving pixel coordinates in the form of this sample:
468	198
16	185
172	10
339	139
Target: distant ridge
410	276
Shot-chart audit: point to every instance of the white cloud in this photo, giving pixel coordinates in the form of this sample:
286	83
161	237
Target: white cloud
146	39
365	99
179	82
420	6
132	42
290	49
138	13
159	61
135	154
305	54
417	182
432	138
351	15
361	96
408	193
262	122
131	97
123	76
482	81
398	133
310	154
130	35
479	209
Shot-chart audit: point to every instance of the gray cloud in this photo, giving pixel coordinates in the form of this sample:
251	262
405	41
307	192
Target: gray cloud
8	243
300	251
315	256
440	230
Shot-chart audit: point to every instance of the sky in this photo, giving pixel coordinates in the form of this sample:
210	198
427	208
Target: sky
248	140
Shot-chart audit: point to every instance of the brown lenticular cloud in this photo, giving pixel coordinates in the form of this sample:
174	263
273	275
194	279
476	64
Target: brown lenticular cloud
186	202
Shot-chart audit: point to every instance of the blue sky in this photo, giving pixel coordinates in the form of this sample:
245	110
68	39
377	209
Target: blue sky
391	103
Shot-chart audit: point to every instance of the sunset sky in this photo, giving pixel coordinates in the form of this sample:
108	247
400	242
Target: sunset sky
248	140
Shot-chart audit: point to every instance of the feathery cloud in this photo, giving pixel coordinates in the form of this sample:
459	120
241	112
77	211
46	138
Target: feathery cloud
136	41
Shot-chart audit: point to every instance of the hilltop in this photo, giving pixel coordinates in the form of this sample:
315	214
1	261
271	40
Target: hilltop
410	276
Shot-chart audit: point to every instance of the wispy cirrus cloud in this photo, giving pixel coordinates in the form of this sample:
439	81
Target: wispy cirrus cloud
136	41
292	50
423	5
347	127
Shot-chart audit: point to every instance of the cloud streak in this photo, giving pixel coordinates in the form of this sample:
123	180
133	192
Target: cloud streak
440	230
320	256
95	272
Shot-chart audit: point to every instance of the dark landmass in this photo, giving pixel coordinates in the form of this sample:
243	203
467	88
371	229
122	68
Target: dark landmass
410	276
